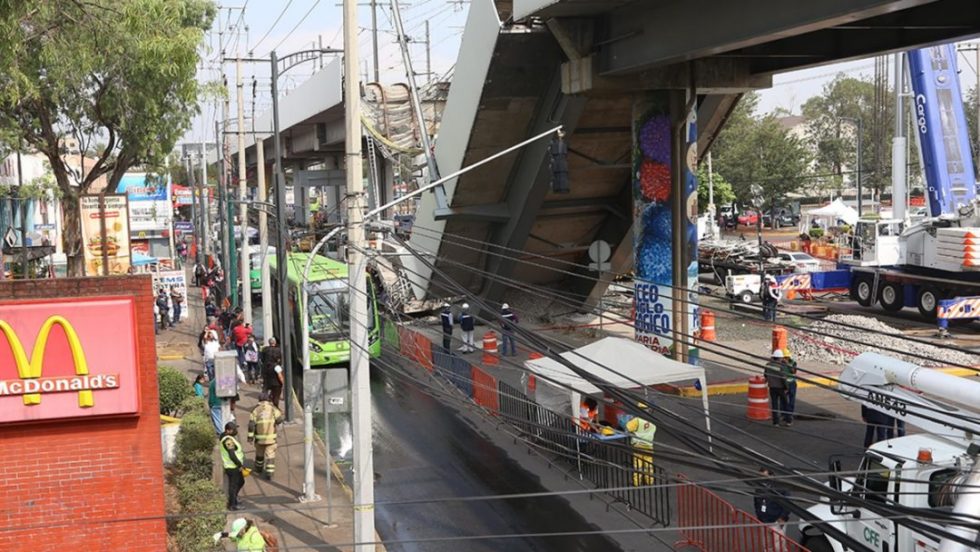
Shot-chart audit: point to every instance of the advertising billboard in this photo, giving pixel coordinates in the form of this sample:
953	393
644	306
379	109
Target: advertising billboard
68	358
115	249
150	208
168	279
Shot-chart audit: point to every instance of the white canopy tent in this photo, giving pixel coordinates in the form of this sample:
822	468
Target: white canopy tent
832	212
621	362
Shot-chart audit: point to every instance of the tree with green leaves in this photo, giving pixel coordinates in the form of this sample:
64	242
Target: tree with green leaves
752	150
832	131
723	192
122	72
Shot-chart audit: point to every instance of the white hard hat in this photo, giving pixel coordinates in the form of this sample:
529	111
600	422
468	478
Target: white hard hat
466	306
505	306
237	526
445	305
777	353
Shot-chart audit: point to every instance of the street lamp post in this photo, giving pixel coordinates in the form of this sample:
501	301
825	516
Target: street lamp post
860	137
289	62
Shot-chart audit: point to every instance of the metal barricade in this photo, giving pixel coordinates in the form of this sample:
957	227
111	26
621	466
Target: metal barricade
712	524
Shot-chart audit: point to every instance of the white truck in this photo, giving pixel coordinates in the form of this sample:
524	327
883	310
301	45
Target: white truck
936	470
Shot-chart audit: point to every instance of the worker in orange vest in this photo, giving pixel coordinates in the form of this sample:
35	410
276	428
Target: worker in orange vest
588	417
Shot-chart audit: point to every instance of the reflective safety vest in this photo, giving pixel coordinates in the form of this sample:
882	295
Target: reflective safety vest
642	431
251	541
587	417
262	423
226	460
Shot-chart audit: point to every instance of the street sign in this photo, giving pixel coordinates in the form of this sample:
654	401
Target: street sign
10	238
599	252
185	226
45	227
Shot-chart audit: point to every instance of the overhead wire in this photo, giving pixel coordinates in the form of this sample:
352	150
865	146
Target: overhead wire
273	26
296	26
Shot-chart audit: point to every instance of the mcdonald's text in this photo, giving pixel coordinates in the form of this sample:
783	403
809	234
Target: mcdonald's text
58	384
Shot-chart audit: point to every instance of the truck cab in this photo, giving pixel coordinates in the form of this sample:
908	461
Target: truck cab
876	243
917	471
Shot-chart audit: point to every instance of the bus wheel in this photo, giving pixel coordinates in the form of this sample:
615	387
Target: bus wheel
927	301
892	298
861	291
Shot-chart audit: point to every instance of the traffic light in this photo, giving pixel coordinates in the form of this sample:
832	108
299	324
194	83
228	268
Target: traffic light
559	164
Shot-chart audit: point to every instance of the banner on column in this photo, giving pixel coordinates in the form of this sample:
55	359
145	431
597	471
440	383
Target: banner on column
690	258
172	279
653	222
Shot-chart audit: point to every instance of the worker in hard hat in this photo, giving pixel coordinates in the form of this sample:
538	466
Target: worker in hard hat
467	324
233	461
245	535
789	372
641	433
262	431
776	381
771	294
507	324
446	318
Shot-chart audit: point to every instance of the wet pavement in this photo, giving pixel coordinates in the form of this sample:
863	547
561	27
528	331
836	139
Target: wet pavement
424	450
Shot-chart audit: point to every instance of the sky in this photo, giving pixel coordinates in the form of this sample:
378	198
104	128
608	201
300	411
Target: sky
292	25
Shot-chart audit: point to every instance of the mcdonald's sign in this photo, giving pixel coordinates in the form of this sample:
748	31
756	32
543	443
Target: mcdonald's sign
83	359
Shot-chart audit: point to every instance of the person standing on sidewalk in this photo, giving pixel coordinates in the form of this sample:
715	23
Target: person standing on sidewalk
251	360
214	405
233	461
467	324
776	381
771	294
508	322
272	377
262	426
163	306
789	372
177	300
446	317
642	433
211	348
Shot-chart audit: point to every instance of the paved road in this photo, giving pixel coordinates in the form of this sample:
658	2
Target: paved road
424	450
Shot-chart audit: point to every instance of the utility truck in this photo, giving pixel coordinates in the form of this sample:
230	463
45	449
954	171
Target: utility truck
935	471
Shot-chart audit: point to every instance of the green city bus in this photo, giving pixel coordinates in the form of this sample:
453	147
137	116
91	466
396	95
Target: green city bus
327	311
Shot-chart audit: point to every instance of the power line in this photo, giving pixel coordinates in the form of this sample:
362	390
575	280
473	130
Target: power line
298	23
274	23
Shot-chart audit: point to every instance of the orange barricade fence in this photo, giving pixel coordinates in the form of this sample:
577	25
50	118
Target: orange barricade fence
712	524
416	346
485	390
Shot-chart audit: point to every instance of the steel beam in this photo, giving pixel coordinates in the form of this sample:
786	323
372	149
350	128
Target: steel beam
713	112
529	183
651	34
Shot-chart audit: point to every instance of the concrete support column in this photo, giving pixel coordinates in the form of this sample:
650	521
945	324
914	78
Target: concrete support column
665	222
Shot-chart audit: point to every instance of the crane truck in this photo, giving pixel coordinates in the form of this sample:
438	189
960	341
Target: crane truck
897	264
936	470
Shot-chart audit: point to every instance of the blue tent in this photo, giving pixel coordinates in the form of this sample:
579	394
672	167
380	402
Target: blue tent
140	259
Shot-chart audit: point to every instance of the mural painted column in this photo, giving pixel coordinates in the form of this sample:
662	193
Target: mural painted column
665	224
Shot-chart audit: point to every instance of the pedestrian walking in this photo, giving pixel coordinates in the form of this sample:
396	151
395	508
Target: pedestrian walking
508	322
272	374
233	461
768	500
211	348
214	405
199	382
467	324
771	294
200	275
239	336
789	372
163	307
247	537
210	309
262	426
446	317
642	433
156	319
177	300
776	381
251	360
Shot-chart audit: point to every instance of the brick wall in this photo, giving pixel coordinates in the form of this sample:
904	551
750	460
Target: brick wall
73	486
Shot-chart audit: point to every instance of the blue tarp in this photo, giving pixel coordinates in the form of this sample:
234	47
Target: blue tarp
140	259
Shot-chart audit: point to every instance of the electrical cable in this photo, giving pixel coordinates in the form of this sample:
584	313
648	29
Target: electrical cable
274	23
296	26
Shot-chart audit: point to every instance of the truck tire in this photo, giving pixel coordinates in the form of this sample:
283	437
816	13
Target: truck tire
892	297
927	300
861	291
746	297
818	544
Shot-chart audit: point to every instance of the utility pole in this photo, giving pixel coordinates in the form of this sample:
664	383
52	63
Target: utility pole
428	53
267	330
360	364
205	203
246	293
416	102
195	214
374	38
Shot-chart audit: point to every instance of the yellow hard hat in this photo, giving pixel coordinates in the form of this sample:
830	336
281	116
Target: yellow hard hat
786	353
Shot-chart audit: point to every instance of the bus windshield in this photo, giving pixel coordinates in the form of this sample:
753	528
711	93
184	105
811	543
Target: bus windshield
329	313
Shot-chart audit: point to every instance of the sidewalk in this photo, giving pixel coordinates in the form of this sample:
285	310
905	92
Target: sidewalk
273	504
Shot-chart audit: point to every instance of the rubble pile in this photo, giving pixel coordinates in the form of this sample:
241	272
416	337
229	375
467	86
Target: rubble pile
824	344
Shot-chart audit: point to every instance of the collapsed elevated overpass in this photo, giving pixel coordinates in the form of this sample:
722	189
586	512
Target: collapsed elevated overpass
528	65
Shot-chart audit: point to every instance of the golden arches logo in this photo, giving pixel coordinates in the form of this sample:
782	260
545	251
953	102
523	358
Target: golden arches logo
31	368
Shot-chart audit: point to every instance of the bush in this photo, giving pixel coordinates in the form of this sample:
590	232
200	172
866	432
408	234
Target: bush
816	232
194	404
195	444
174	388
206	501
